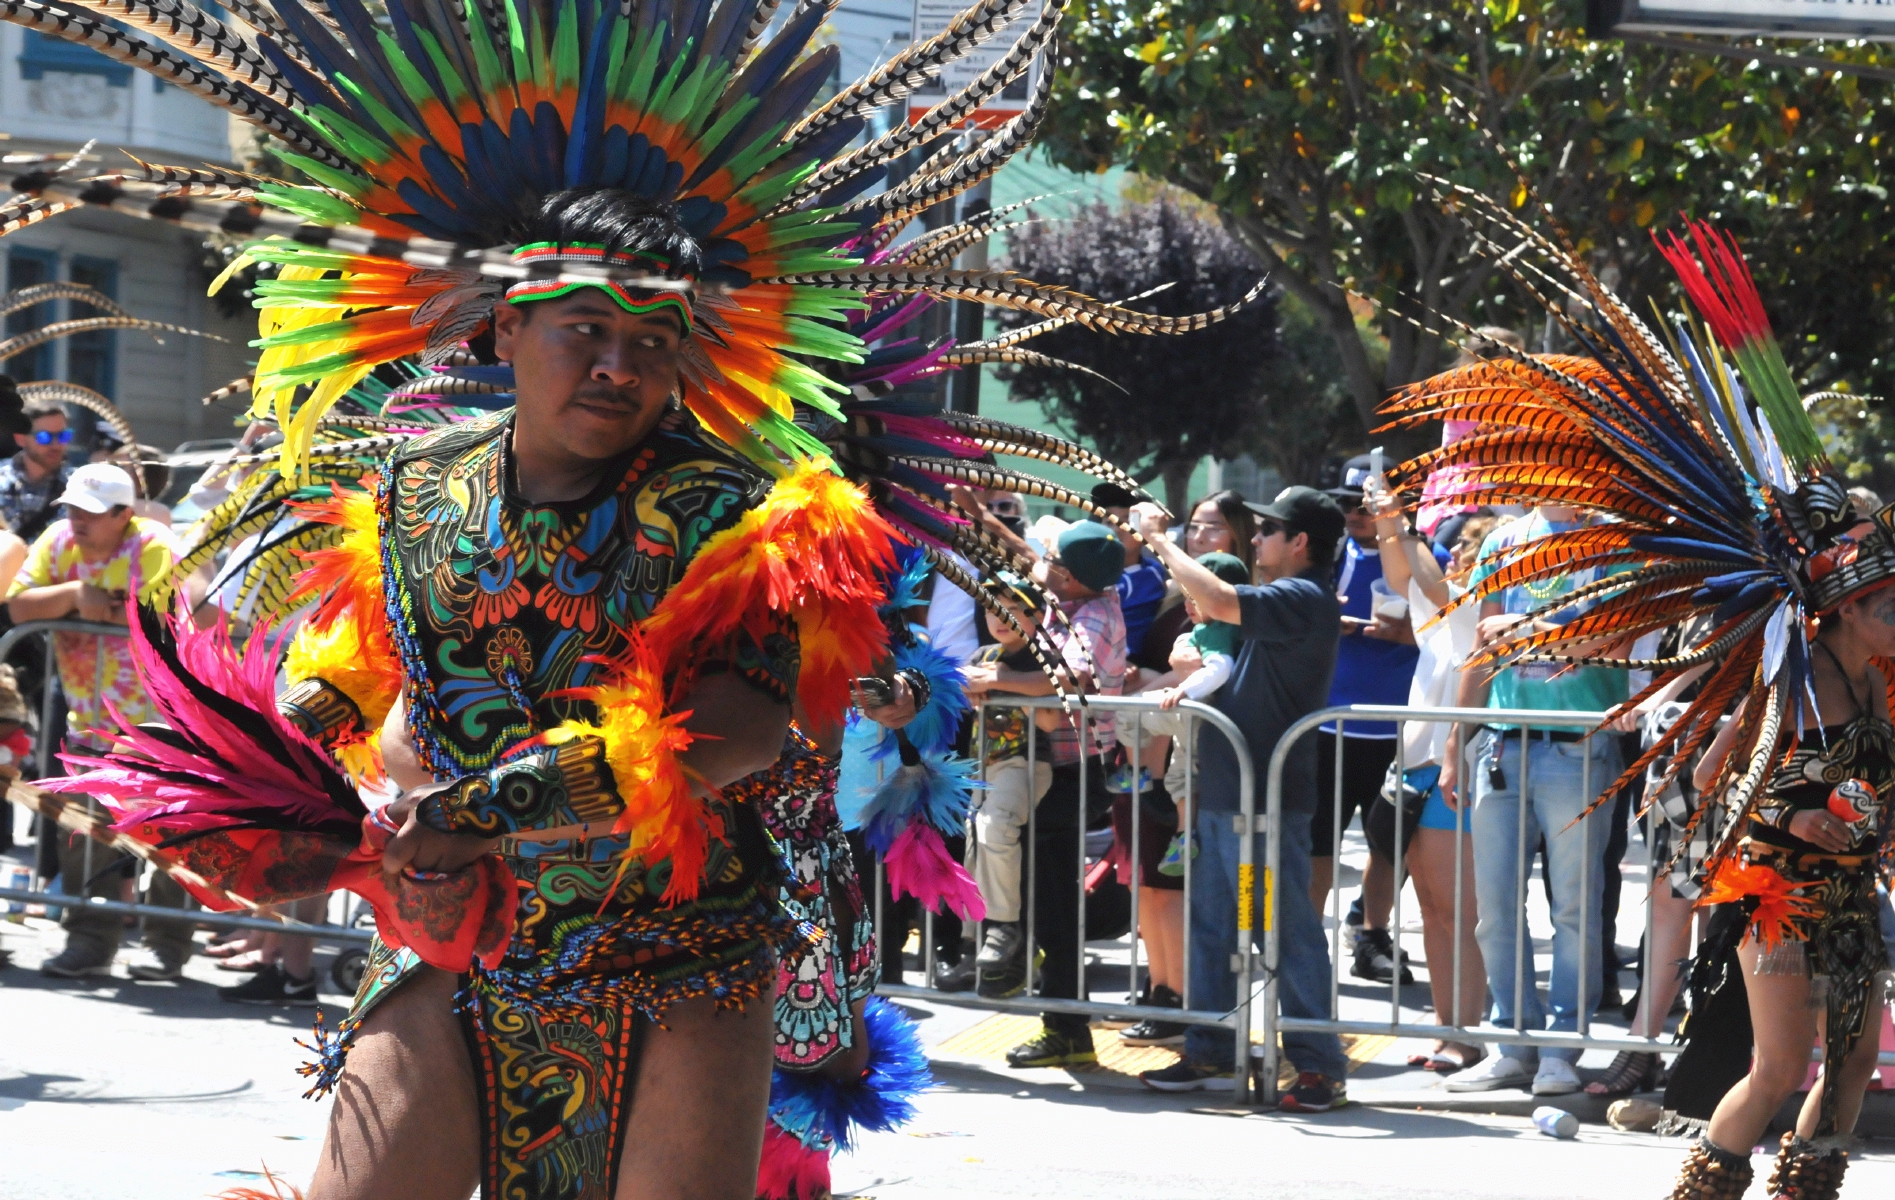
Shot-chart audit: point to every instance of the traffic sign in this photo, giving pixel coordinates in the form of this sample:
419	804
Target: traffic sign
931	17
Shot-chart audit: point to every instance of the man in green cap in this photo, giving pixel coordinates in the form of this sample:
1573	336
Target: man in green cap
1084	575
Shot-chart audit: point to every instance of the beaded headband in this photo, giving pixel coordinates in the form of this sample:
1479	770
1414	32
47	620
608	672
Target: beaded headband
650	292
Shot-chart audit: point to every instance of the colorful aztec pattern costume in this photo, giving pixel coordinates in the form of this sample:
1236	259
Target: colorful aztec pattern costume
1718	504
538	650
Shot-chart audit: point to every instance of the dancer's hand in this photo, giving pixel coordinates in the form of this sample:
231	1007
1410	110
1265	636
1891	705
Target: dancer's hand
1820	828
425	849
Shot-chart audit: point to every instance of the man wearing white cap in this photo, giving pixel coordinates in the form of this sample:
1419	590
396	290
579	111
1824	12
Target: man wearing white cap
83	567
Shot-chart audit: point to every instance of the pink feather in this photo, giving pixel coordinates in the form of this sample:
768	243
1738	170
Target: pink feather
238	753
790	1170
920	866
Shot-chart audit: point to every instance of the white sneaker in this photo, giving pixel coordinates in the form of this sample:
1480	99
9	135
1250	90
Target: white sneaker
1490	1075
1555	1077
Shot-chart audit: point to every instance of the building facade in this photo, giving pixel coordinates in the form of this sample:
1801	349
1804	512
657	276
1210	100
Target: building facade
54	97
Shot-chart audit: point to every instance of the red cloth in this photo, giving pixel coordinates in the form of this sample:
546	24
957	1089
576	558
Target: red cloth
448	920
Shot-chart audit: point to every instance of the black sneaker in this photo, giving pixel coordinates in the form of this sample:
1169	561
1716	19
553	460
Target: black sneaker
1375	958
272	985
1188	1076
1054	1048
1314	1093
954	976
1153	1033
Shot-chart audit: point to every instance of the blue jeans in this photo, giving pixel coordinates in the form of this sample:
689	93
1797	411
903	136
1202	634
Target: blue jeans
1575	859
1306	972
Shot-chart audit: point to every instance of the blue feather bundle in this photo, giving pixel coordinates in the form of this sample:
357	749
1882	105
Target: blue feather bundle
936	790
822	1111
938	723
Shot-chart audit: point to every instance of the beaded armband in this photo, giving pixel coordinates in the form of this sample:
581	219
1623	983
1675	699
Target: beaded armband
321	711
547	789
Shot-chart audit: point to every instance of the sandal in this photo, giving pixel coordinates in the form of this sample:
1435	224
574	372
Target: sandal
1631	1071
1446	1060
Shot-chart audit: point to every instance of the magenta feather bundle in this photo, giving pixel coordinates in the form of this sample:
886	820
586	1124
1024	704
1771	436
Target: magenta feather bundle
790	1170
223	754
920	866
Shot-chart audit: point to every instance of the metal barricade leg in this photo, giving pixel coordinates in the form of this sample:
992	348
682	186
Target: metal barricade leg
1138	862
1523	856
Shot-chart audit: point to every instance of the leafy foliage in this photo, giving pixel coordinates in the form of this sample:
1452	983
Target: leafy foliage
1310	125
1178	398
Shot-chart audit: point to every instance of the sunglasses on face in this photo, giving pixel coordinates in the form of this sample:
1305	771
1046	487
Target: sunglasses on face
1004	508
1268	529
47	437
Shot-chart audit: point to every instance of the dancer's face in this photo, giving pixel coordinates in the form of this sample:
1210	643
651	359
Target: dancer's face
592	378
1870	618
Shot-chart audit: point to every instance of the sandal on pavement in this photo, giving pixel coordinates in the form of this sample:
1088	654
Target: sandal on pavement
1631	1071
1449	1059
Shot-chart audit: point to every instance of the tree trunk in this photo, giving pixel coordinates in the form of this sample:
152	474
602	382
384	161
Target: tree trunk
1177	480
1332	305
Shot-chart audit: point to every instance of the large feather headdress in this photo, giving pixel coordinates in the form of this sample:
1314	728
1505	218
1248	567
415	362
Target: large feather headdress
434	133
1716	508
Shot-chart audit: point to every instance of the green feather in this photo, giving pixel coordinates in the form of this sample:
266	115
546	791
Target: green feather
358	143
517	46
824	341
412	84
726	123
493	79
566	51
661	95
311	204
345	182
391	124
637	92
444	67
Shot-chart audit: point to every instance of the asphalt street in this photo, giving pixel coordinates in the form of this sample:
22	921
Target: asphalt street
115	1088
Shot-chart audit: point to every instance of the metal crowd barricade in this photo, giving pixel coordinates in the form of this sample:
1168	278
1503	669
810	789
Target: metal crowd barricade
1273	1024
47	765
1135	708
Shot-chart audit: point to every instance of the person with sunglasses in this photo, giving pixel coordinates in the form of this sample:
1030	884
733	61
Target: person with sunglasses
31	479
1287	629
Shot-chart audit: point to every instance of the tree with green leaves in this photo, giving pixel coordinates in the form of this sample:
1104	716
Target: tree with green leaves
1320	129
1156	405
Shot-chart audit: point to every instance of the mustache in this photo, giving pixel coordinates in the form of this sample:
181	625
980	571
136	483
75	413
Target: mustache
606	396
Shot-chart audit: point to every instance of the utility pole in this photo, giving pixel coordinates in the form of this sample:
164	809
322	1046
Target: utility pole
970	317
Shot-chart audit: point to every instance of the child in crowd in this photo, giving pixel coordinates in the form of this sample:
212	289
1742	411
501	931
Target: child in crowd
15	746
1001	808
1201	662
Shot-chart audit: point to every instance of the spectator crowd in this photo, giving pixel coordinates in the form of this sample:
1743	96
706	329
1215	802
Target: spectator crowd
1264	611
1268	612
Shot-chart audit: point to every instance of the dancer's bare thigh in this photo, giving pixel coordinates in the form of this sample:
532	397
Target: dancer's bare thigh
405	1121
696	1125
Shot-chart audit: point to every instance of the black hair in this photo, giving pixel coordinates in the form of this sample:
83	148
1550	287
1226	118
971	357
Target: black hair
33	410
618	220
13	418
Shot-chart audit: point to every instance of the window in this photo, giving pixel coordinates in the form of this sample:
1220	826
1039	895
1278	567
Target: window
24	269
40	54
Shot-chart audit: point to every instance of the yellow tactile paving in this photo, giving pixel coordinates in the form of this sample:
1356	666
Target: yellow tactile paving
989	1041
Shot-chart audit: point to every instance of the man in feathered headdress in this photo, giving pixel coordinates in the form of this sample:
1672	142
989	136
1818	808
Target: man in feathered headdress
515	549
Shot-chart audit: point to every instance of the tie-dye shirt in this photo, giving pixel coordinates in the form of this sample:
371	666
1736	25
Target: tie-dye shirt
96	671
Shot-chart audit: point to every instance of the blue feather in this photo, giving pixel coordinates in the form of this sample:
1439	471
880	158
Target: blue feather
431	207
1679	547
938	724
637	150
612	156
700	215
1751	595
549	144
651	175
588	117
820	1110
937	791
521	151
